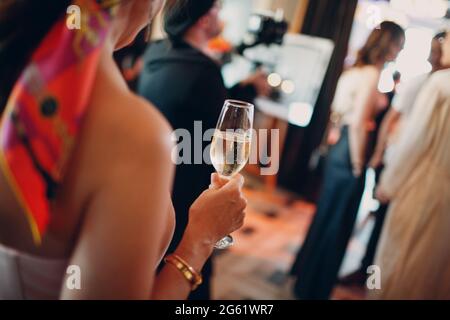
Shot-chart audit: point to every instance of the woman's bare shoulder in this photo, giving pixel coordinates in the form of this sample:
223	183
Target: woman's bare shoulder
123	119
122	130
117	115
132	117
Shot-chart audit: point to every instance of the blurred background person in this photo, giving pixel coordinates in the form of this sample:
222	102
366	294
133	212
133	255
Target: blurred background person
356	101
413	255
359	276
390	127
186	85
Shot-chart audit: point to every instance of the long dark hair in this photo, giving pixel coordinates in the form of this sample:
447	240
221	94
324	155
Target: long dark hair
23	25
379	42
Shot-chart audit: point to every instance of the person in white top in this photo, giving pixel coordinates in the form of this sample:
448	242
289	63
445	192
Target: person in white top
398	114
356	101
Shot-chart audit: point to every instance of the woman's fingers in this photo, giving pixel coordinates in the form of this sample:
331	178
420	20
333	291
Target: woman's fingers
217	182
236	182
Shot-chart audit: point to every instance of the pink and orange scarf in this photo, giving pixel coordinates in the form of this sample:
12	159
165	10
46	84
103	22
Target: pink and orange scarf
45	110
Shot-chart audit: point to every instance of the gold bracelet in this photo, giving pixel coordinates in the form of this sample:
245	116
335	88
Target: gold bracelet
194	278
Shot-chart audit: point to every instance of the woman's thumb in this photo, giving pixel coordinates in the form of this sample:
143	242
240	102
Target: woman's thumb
236	181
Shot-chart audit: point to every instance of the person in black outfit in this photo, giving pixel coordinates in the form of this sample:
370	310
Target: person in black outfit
186	85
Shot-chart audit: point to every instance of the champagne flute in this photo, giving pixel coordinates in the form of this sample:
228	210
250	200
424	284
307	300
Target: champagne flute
230	147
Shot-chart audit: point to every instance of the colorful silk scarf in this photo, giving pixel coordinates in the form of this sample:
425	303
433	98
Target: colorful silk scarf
46	107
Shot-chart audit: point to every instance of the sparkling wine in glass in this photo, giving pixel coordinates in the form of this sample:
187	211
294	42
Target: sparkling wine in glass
230	147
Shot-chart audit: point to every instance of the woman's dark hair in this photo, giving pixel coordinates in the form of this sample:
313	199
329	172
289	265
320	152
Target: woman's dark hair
379	43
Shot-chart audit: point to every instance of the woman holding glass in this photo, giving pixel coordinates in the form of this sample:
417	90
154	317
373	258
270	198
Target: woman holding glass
86	167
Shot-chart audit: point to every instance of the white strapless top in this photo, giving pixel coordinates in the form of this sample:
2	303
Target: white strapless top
23	276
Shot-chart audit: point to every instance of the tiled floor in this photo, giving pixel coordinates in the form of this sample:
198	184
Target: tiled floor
257	266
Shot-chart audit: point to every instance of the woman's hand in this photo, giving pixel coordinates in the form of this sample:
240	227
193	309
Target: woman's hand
218	211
